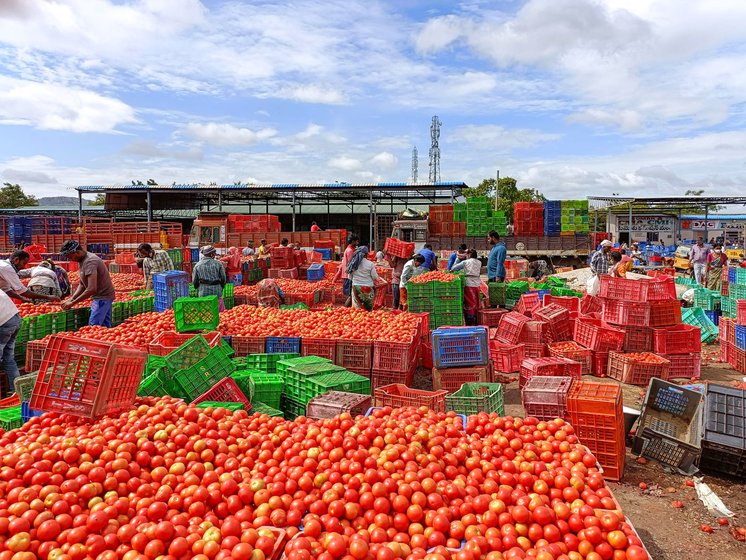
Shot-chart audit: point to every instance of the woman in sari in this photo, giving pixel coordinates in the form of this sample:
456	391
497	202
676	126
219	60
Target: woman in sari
363	274
233	266
269	293
716	260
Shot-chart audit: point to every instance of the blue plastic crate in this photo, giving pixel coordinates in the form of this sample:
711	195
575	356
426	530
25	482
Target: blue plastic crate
195	255
741	337
283	345
168	287
713	316
27	413
460	346
326	254
315	272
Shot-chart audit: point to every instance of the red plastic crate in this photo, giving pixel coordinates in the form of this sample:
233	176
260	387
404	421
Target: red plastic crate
684	366
557	318
355	355
87	378
506	358
726	352
558	367
626	289
490	317
34	354
573	351
726	331
676	339
168	341
528	303
124	258
398	395
322	347
245	345
571	303
533	332
511	325
597	335
634	370
600	364
545	398
308	299
664	313
225	390
398	248
741	311
380	378
590	304
638	339
595	398
625	313
535	350
451	379
738	360
395	356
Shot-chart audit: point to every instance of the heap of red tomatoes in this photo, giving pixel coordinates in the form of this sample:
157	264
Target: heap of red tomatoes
171	481
435	275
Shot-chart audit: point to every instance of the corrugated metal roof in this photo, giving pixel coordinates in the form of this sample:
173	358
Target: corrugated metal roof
272	186
716	217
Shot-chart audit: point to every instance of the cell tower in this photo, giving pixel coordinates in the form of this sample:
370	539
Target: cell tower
415	165
435	150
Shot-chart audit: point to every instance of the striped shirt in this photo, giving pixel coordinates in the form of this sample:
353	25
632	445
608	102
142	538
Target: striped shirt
160	262
209	277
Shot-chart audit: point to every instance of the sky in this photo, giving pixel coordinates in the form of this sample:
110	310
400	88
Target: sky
571	97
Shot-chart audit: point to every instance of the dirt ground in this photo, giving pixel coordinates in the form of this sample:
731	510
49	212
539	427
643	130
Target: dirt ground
668	533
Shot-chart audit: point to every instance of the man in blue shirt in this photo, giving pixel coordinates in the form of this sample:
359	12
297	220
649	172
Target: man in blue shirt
459	255
430	259
496	260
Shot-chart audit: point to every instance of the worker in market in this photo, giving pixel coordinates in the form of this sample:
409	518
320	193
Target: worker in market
413	267
284	242
263	250
43	279
635	252
600	261
698	256
352	242
232	262
496	260
269	293
472	266
538	270
716	261
11	284
431	261
315	227
95	283
248	251
397	265
297	246
363	275
456	256
618	266
208	275
154	261
381	259
10	325
63	279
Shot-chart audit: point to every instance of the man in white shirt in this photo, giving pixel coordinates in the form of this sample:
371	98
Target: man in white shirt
12	285
10	324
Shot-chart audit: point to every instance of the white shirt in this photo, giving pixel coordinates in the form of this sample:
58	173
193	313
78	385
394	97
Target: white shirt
473	269
9	280
41	276
365	275
8	309
406	273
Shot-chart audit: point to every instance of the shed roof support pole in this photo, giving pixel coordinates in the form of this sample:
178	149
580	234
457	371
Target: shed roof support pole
150	206
220	201
707	210
370	223
293	210
80	205
629	226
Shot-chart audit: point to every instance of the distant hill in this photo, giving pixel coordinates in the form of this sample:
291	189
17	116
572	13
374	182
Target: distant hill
60	201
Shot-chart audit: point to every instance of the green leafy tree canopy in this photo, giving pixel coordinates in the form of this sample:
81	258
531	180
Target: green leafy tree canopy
508	194
12	196
100	200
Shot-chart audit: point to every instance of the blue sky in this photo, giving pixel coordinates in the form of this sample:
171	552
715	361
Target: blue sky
572	97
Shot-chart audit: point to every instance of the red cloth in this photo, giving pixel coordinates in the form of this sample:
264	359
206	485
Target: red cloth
233	261
268	294
471	301
315	228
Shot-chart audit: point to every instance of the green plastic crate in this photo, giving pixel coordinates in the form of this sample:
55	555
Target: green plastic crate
709	300
448	289
215	404
737	291
420	305
242	376
263	362
284	365
10	418
419	291
696	316
299	305
195	314
566	292
158	384
555	282
200	377
176	256
297	377
446	320
155	362
262	408
447	305
228	290
117	313
728	307
188	354
473	398
260	386
344	381
292	408
685	281
496	291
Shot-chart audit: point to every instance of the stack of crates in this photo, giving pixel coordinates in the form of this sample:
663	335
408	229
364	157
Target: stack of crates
552	217
724	438
444	301
682	346
574	216
460	355
478	216
440	220
733	289
733	337
513	292
262	362
528	218
595	412
260	386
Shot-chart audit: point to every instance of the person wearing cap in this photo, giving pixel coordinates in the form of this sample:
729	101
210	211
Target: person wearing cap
600	262
154	261
11	284
209	276
95	283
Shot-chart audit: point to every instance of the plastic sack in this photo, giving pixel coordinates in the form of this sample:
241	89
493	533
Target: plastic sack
593	285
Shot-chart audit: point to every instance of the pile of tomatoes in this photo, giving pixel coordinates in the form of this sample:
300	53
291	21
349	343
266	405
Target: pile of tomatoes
171	481
434	276
644	358
128	282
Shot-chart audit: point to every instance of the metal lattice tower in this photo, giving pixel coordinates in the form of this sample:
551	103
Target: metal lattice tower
435	150
415	165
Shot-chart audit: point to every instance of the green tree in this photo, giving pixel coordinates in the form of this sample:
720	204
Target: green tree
100	200
508	194
12	196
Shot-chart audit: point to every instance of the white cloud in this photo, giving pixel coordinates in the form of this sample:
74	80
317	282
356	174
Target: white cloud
54	107
345	163
310	94
385	160
150	150
220	134
496	137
